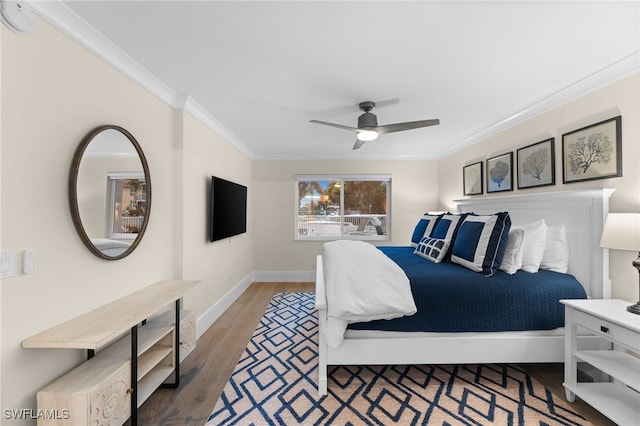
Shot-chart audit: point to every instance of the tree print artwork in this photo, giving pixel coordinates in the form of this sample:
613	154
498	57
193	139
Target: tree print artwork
499	172
595	148
593	152
536	162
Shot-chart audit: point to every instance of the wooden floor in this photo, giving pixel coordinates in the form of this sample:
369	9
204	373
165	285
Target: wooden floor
205	372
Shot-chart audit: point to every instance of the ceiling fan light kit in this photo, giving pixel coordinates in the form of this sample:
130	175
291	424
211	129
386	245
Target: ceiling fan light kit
368	128
367	135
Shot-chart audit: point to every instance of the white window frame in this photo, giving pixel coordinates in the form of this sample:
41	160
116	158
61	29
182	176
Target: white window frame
112	177
342	177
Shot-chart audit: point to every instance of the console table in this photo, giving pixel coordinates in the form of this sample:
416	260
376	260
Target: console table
132	349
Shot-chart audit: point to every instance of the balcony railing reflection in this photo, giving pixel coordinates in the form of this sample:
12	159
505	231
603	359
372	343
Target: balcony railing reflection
131	224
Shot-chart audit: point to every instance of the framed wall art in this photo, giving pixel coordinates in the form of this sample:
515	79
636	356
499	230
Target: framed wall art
593	152
500	173
472	179
536	164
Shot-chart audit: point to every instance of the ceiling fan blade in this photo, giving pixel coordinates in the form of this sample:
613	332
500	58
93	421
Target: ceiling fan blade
398	127
339	126
387	102
358	144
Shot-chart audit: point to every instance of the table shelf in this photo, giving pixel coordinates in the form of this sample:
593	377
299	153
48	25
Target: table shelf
101	389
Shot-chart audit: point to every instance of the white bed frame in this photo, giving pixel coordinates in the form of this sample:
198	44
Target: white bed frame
582	212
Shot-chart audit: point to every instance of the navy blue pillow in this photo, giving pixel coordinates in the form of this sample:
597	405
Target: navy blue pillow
447	229
423	228
480	242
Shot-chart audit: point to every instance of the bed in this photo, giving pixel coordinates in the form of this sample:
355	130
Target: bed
582	212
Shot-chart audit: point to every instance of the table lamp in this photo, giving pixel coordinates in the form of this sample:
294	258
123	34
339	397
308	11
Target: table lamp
622	232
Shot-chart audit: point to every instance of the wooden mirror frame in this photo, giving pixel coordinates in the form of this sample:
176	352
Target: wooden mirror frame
73	191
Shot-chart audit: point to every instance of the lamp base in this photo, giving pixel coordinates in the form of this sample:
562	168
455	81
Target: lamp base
634	309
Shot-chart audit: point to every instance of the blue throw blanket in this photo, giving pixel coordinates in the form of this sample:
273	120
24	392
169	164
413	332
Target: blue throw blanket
451	298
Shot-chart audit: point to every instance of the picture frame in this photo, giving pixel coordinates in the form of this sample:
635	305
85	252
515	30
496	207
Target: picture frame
536	164
593	152
500	173
472	179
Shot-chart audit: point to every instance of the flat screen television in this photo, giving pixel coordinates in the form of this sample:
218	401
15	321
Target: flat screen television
228	209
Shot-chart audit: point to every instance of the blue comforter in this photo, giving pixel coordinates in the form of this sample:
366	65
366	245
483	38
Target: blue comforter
451	298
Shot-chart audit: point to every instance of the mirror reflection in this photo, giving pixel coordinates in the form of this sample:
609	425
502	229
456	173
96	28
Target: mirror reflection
112	192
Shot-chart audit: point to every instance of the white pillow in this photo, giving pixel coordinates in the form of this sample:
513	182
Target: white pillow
556	254
512	260
533	245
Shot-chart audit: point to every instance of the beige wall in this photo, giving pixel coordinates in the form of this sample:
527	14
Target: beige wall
53	93
619	98
413	191
222	264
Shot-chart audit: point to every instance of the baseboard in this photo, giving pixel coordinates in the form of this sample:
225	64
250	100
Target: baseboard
284	276
215	311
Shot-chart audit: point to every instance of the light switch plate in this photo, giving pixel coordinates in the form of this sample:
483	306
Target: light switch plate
7	263
28	261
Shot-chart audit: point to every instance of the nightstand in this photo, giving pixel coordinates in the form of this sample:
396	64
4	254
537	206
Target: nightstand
618	399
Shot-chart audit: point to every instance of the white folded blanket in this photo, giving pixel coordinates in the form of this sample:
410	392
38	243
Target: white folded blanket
362	284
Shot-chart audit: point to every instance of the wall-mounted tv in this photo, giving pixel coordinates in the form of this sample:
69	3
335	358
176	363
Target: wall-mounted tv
228	209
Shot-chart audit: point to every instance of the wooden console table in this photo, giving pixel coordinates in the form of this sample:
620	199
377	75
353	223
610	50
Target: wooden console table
152	357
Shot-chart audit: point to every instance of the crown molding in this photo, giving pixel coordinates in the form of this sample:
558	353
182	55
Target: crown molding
616	71
60	16
201	114
63	18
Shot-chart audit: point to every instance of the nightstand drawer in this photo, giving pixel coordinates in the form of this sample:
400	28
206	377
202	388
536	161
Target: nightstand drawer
610	330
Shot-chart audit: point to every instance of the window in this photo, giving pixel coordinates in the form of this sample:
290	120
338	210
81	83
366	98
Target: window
343	207
128	204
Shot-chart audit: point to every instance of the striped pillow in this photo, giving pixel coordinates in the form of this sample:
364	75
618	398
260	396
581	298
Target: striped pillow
481	241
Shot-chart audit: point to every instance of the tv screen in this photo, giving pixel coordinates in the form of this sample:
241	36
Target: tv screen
228	209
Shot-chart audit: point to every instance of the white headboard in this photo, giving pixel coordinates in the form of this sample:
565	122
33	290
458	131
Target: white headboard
583	213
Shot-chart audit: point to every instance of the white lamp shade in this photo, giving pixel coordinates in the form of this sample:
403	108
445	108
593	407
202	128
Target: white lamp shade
621	232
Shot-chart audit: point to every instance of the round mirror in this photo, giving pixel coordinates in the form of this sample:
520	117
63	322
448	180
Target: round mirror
110	192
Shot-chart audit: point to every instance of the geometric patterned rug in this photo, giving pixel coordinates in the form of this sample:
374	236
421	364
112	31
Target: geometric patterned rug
274	383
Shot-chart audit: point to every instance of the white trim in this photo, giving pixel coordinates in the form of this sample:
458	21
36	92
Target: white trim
284	276
60	16
618	70
344	176
125	175
201	114
216	310
63	18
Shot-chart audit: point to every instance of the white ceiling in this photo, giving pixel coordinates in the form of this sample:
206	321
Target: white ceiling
259	71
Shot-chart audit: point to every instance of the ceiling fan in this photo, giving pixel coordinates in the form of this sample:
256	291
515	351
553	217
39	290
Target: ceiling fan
368	128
